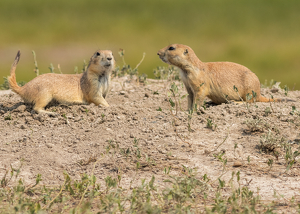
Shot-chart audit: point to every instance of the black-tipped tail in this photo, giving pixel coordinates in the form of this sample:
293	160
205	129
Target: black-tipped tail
286	100
12	78
17	59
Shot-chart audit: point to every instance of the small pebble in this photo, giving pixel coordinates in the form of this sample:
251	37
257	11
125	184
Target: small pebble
76	119
21	108
274	90
49	145
23	127
237	164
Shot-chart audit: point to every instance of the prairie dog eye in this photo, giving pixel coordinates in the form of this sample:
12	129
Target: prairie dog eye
171	48
98	54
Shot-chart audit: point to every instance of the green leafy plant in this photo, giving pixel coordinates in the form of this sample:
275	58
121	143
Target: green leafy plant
270	163
183	192
270	142
256	125
51	68
210	124
295	111
174	92
290	156
84	66
8	117
170	73
5	84
175	106
268	111
270	84
142	78
286	90
126	69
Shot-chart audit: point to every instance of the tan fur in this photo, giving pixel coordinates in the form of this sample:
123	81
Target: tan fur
215	80
89	87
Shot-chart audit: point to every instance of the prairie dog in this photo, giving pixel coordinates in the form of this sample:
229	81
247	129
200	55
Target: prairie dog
89	87
215	80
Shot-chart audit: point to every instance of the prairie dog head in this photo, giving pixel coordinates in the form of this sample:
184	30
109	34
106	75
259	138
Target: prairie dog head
178	55
102	60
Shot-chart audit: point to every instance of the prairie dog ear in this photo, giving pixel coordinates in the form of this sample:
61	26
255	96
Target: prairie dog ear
185	52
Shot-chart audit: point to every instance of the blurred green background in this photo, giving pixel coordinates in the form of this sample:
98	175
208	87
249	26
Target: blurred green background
263	35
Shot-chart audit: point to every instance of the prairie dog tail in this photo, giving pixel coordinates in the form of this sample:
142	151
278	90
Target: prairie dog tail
12	78
264	99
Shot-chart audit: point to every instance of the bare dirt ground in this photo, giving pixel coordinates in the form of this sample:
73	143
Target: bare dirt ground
73	141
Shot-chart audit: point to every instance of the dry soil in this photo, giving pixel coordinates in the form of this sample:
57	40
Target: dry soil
79	136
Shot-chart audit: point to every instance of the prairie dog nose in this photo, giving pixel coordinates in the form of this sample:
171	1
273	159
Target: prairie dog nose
109	58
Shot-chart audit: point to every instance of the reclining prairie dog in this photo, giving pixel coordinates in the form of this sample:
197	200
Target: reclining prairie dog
89	87
215	80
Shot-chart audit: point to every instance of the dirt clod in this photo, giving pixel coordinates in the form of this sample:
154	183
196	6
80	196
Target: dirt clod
237	164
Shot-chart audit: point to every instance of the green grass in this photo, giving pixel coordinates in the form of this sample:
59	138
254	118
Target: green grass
262	35
183	191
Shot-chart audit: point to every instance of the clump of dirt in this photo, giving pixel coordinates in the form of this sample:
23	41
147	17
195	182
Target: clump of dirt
139	121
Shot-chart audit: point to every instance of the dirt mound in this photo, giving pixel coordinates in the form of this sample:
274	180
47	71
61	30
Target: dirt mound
139	119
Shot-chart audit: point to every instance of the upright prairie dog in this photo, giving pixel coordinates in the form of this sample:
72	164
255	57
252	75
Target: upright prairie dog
215	80
89	87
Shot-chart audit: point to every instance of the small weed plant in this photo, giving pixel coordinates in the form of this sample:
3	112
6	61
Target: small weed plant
270	84
183	191
256	125
175	99
278	146
128	70
259	125
210	124
5	84
170	73
290	156
295	111
269	142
